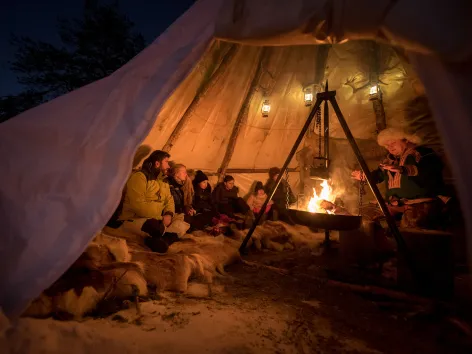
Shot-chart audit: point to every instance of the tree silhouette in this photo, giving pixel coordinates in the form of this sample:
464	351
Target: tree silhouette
91	48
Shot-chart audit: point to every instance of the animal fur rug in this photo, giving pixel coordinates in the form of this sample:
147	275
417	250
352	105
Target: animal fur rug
117	265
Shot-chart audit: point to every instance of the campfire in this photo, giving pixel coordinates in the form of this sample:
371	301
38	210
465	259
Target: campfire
322	202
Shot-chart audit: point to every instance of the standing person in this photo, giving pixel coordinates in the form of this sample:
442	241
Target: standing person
148	206
413	178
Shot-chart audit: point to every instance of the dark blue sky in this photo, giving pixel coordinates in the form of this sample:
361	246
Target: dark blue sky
37	19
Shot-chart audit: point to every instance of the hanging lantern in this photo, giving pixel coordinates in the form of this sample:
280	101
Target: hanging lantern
374	92
265	108
308	97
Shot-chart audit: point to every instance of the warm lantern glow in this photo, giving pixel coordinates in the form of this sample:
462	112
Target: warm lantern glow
308	97
374	89
265	108
314	206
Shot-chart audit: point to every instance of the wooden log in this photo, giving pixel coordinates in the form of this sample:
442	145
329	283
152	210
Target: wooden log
461	325
263	266
252	170
201	93
375	290
362	289
243	113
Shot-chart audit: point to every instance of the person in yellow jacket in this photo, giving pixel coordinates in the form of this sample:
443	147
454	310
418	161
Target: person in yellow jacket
148	206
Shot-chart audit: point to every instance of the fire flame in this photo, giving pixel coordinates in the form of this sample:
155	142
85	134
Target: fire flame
314	206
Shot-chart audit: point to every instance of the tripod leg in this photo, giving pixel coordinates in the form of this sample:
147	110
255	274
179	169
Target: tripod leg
327	241
281	174
390	221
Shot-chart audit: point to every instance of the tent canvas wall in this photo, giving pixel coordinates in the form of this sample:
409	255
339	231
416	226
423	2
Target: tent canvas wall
66	161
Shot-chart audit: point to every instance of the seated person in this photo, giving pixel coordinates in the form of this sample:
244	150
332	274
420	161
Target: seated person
181	193
202	200
413	177
258	198
279	198
226	198
148	206
184	197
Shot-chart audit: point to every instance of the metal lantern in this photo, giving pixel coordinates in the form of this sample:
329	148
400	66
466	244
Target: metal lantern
374	92
265	108
308	97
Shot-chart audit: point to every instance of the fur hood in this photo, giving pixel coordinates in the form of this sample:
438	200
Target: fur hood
396	134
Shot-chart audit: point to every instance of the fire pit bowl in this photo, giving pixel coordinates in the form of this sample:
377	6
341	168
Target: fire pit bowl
325	221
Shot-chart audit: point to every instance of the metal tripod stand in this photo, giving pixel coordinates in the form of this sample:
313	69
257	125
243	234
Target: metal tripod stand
331	97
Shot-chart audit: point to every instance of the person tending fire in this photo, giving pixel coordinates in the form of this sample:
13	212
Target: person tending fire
413	178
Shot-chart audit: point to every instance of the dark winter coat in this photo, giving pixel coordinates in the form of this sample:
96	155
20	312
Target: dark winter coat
178	196
202	199
280	195
421	176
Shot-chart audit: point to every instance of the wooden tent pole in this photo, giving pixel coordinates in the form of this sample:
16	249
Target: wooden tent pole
202	91
377	104
243	114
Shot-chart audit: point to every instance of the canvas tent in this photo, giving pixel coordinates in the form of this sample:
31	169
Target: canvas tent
66	161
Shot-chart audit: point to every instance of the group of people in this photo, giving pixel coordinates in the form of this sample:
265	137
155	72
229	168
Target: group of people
160	193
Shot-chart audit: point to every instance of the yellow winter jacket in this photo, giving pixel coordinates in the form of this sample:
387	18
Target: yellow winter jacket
146	199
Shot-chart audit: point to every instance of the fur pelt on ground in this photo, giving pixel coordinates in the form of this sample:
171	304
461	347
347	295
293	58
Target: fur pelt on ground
103	271
120	266
279	236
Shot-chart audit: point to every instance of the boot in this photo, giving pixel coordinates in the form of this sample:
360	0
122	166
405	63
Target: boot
170	237
156	244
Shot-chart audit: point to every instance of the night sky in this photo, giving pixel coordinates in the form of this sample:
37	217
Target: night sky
37	19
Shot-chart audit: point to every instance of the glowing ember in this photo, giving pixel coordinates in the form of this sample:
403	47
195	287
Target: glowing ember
314	206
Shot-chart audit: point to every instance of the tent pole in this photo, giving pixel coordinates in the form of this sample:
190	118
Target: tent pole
377	104
202	91
317	105
242	115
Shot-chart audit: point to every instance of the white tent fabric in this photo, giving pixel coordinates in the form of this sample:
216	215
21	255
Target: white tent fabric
65	162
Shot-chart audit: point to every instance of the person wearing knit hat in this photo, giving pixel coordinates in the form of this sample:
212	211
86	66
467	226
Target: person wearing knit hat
202	199
200	177
413	178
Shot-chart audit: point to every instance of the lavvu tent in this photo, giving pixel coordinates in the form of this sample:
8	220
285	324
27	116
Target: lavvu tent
196	91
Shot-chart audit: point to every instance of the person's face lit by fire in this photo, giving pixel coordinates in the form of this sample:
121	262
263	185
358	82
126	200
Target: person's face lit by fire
181	174
274	177
229	185
396	147
163	165
203	184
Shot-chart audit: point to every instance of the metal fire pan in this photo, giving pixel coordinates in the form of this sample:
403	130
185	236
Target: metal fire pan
325	221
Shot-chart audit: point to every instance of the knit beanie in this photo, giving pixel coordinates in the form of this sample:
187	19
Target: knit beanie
200	177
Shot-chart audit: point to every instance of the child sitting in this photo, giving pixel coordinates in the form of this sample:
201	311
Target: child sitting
257	199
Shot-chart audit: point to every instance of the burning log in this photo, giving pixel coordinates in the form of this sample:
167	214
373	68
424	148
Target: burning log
332	208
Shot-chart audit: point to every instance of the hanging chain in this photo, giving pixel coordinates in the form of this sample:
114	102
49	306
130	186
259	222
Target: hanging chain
287	190
362	192
318	124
